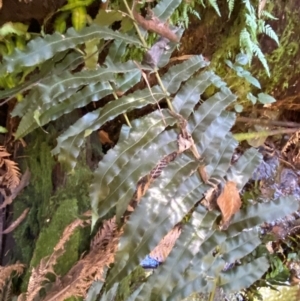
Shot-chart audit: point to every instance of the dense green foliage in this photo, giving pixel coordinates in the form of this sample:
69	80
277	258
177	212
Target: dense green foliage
66	80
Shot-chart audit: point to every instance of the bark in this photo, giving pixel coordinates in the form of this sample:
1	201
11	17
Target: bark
25	11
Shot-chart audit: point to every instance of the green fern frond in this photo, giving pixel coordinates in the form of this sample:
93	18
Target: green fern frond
178	175
165	8
214	4
230	7
251	23
268	15
268	30
39	50
201	2
246	43
194	12
249	7
258	53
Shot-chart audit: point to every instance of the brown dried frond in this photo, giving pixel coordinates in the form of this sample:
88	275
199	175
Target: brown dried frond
37	277
104	234
22	297
6	294
163	163
11	178
85	272
6	272
38	274
165	246
69	230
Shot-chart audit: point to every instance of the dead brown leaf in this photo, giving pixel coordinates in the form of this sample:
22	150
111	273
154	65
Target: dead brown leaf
104	138
229	203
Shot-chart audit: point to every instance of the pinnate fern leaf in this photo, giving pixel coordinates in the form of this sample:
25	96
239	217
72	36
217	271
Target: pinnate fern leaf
126	163
58	88
69	143
194	234
230	7
246	43
176	191
41	49
181	72
165	8
215	5
73	138
243	276
259	54
268	30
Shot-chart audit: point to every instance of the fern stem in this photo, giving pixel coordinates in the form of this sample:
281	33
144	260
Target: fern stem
212	293
124	114
146	46
170	106
127	120
261	134
134	23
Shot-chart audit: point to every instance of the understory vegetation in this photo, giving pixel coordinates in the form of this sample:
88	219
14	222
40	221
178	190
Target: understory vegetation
129	160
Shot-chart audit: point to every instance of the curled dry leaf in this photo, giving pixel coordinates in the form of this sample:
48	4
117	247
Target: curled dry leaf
183	143
229	203
104	138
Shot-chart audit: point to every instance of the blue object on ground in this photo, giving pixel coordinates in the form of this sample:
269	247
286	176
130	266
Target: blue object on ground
149	263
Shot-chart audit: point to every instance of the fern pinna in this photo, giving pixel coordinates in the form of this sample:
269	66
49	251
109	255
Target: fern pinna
156	178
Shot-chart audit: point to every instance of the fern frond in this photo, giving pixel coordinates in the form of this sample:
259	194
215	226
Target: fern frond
59	88
91	268
230	7
39	50
166	210
7	271
214	4
202	3
69	230
11	177
246	43
6	294
268	15
194	12
104	235
258	53
268	30
37	277
249	7
251	23
165	8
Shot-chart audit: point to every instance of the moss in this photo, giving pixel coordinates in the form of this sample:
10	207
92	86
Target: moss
36	196
50	235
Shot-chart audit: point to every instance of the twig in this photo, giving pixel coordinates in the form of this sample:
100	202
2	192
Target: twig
145	45
149	87
254	135
16	223
155	25
268	122
23	183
